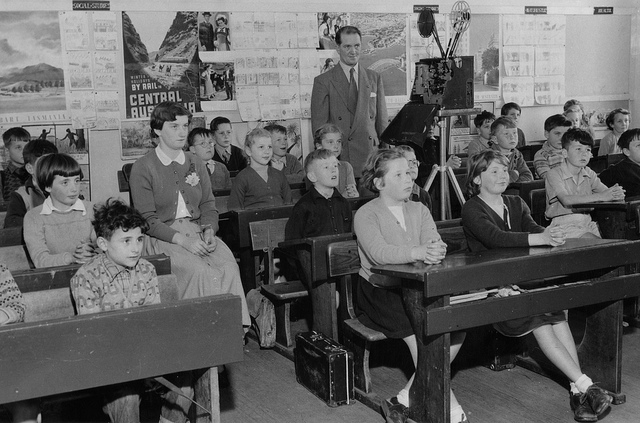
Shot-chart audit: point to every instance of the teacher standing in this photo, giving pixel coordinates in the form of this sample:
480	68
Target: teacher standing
351	97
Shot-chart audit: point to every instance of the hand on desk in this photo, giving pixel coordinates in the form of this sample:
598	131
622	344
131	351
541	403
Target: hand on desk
431	253
554	236
614	193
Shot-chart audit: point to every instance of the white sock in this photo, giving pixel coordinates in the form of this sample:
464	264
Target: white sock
403	397
573	388
457	414
583	383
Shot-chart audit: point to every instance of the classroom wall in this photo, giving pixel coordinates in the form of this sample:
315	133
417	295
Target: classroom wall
105	156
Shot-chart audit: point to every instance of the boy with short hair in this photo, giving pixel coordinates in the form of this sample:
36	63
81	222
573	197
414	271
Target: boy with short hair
28	196
14	175
281	160
224	152
550	155
119	278
573	182
200	142
513	111
322	210
483	122
626	172
505	139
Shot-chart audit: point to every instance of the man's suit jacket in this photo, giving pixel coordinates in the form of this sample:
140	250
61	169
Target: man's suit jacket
329	103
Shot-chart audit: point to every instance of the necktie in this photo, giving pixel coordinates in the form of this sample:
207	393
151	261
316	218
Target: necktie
225	156
353	93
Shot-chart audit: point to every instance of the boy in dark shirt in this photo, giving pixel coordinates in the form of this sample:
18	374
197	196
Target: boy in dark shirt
322	210
627	172
14	175
29	195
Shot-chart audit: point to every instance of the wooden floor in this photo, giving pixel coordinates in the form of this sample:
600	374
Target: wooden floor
264	389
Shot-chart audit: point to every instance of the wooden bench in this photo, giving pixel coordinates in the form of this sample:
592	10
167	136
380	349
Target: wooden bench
13	251
55	352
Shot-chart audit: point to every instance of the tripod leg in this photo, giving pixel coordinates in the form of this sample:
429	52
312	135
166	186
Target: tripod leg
432	176
456	187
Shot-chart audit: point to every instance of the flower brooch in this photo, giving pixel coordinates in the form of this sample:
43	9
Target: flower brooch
192	177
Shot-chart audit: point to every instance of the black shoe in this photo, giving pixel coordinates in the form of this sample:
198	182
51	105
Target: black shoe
598	399
393	411
582	411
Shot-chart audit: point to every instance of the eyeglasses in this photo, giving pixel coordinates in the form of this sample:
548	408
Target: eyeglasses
204	144
413	163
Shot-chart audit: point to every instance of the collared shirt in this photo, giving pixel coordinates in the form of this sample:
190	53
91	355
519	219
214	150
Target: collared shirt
279	162
224	153
48	207
347	72
181	210
560	181
101	285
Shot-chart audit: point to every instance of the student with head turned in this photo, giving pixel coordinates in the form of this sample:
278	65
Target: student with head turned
626	173
12	308
172	190
513	111
14	174
392	230
618	122
329	136
493	220
573	182
224	151
259	185
29	195
550	155
483	122
281	160
120	278
59	231
417	193
200	142
574	111
504	133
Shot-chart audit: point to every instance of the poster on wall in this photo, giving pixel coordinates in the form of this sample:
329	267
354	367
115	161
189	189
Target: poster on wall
484	46
217	81
383	44
31	69
136	138
160	60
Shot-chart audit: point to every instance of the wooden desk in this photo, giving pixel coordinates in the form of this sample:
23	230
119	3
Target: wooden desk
616	219
312	253
427	289
234	231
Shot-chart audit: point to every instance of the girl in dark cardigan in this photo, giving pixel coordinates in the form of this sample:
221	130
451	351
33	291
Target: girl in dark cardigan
492	220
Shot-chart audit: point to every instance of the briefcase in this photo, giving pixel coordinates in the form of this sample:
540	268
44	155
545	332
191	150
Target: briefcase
324	367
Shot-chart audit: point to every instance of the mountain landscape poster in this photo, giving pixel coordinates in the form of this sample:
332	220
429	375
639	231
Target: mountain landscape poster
31	70
160	60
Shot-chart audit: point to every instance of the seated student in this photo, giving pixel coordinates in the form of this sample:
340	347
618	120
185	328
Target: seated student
626	173
573	182
119	278
417	193
200	142
29	195
513	111
550	155
281	160
59	231
493	220
172	190
504	134
14	175
322	210
329	136
225	152
574	111
483	122
392	230
618	122
259	185
12	310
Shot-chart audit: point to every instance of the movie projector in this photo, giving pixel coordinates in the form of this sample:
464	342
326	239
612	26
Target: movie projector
443	87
